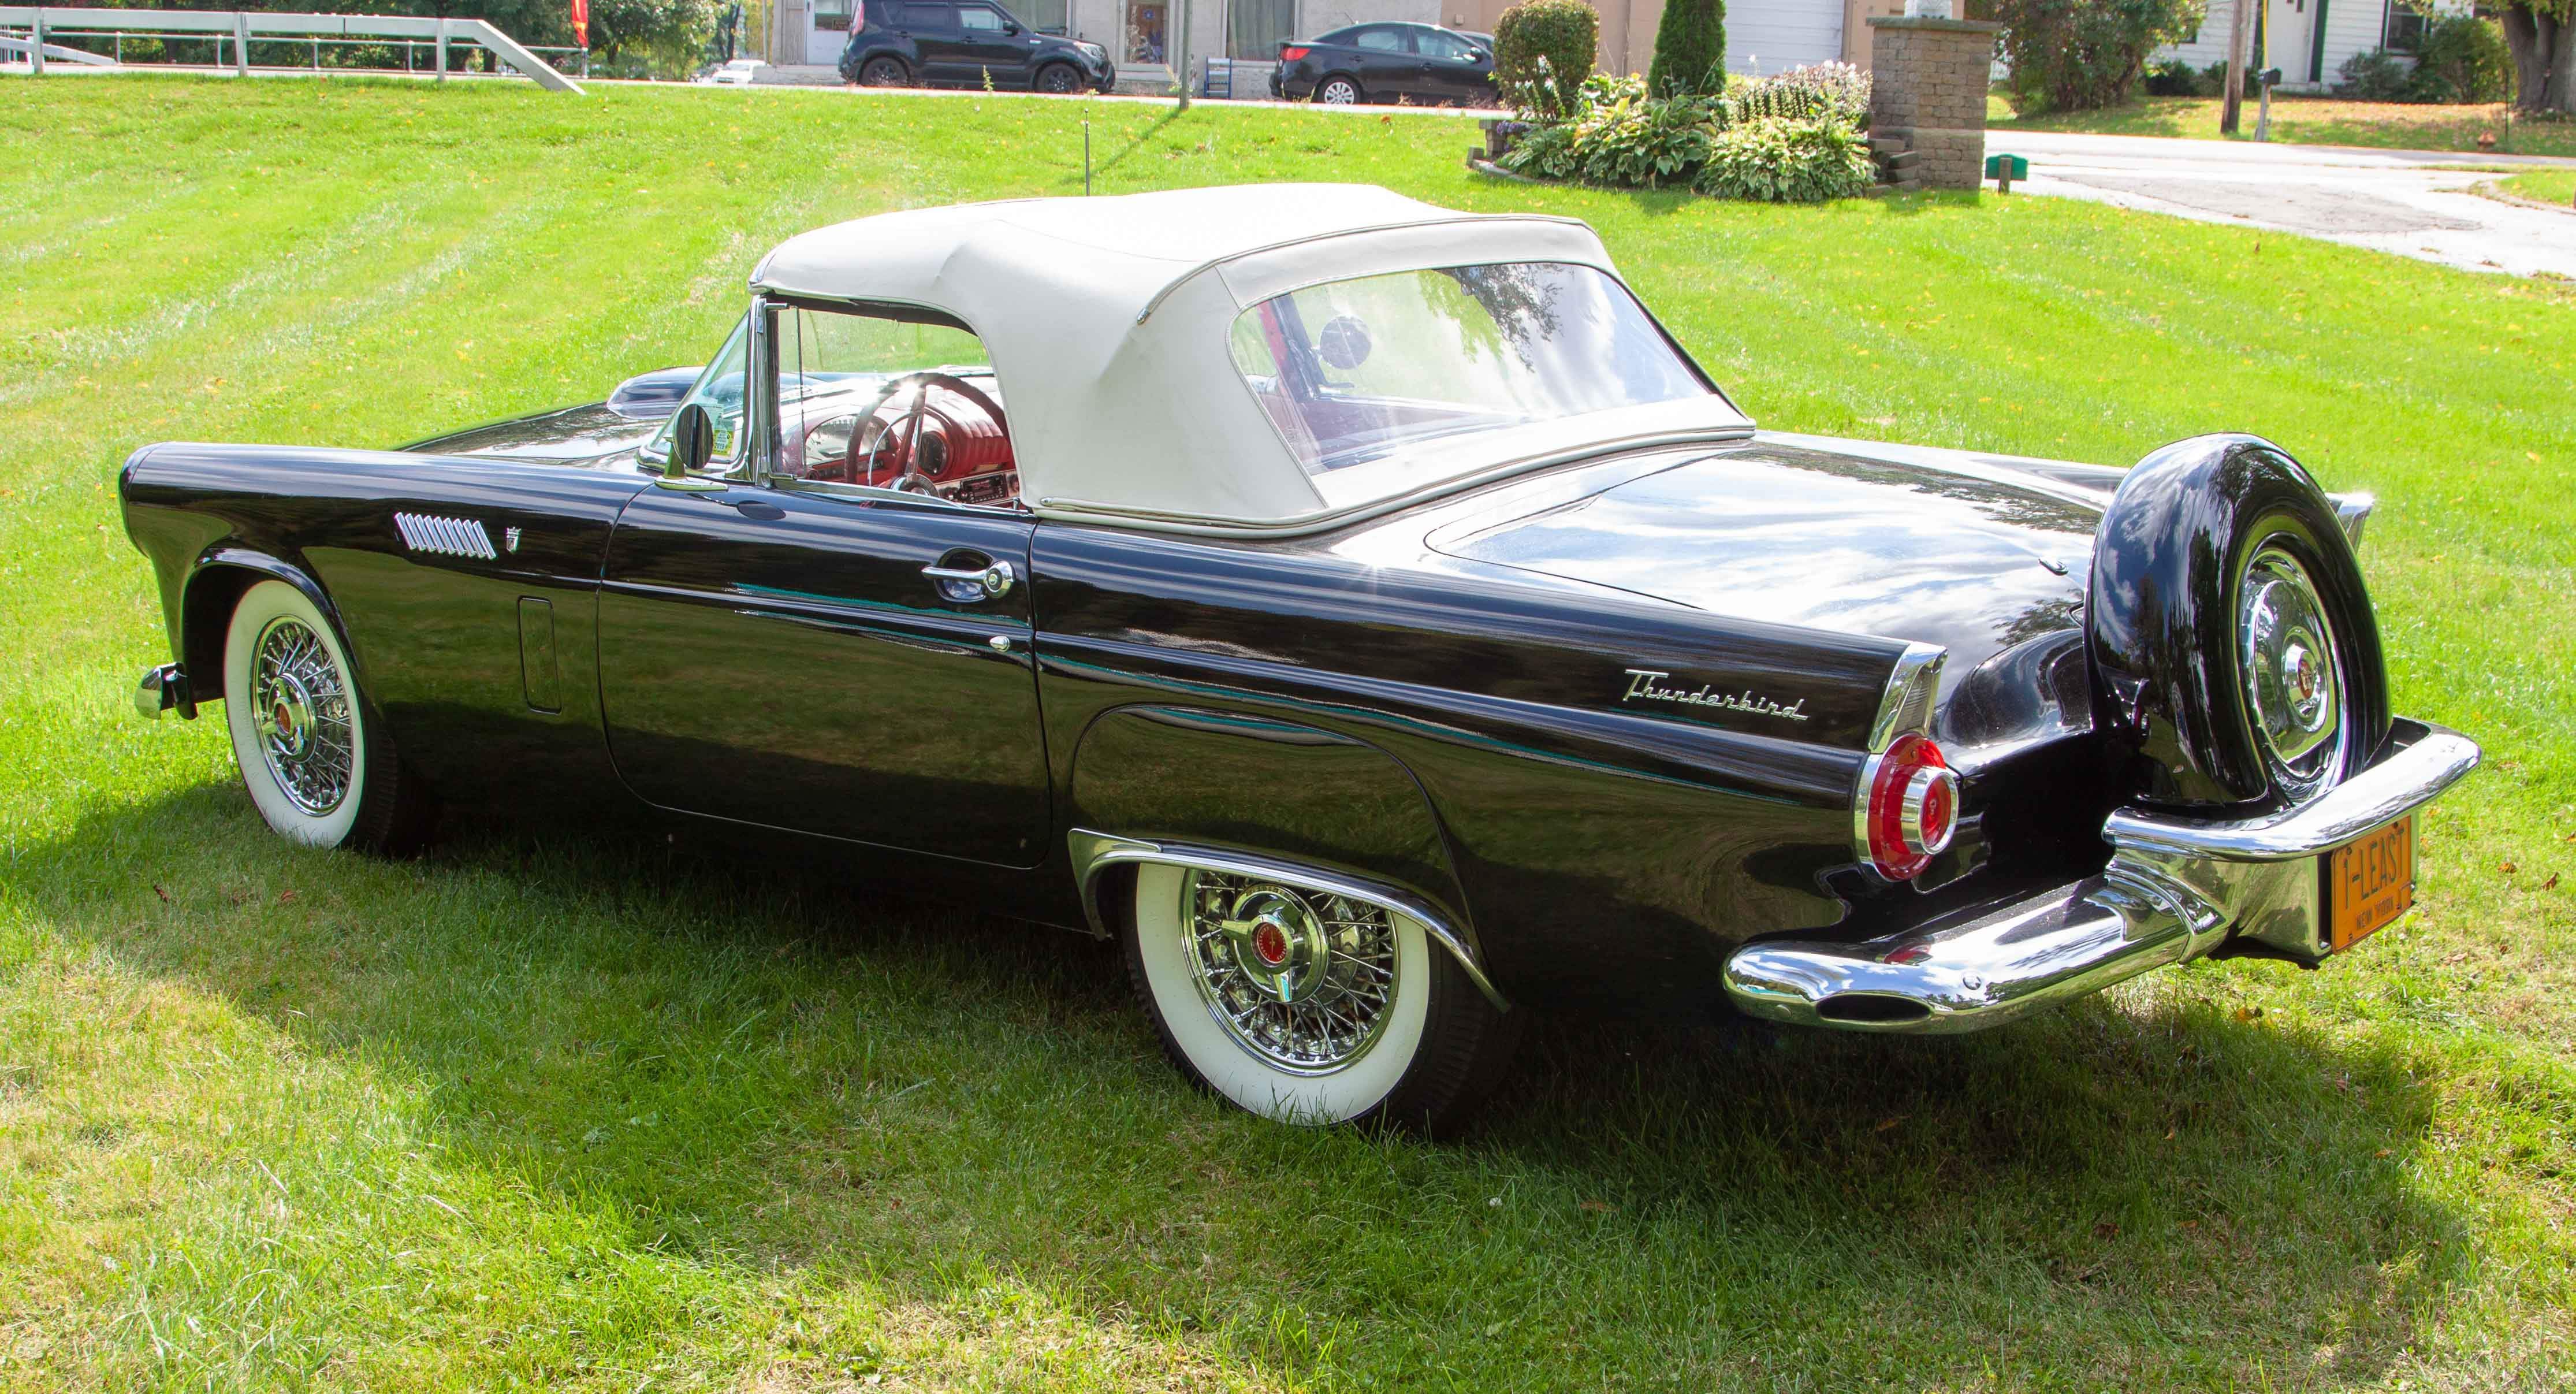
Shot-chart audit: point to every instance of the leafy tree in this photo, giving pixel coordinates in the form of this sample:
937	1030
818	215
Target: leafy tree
2080	55
2542	37
1690	49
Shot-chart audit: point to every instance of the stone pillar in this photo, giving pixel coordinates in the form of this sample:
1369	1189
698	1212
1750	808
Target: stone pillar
1927	100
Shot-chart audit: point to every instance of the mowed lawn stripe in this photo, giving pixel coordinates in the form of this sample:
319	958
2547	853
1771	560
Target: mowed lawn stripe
595	1115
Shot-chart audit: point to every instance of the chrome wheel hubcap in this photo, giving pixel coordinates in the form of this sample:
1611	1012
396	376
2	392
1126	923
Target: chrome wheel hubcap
1300	979
300	707
2293	685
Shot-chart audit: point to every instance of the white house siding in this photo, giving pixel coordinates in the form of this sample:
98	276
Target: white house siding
2352	26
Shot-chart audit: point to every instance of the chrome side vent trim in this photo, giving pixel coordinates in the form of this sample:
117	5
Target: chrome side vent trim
454	537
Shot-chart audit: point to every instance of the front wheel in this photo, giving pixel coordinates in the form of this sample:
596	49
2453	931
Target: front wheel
1059	78
318	764
883	72
1339	91
1309	1007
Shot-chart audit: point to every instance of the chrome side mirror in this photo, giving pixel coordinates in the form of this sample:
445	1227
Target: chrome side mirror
693	442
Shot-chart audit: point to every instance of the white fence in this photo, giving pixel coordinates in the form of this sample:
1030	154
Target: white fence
246	27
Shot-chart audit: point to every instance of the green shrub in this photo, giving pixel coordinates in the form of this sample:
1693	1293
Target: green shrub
2173	78
2082	55
1544	152
1639	143
1690	49
2375	76
1542	53
2464	59
1779	160
1802	138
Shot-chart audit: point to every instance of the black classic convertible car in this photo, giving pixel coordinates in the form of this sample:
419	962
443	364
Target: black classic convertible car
1365	613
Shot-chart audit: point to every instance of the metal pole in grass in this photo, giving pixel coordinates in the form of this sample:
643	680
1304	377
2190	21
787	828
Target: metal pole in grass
36	47
241	43
442	47
2240	38
1086	159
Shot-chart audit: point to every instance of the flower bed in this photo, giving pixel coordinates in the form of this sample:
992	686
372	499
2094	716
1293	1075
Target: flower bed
1798	137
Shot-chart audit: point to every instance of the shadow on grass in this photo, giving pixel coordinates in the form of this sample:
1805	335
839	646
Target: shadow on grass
773	1068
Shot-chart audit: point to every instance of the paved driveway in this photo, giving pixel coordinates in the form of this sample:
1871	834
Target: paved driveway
2402	201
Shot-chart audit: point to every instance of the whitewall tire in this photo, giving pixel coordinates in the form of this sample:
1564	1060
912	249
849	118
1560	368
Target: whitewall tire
1308	1007
317	762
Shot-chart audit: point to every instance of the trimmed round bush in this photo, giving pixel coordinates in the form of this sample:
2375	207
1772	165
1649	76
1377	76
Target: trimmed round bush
1543	51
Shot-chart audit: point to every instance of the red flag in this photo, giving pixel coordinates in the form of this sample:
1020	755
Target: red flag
581	22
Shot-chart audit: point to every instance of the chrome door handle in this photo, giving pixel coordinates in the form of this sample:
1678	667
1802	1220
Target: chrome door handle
994	580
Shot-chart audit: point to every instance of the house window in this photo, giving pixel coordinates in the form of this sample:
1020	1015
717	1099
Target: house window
1045	16
1256	28
832	14
1146	20
2403	31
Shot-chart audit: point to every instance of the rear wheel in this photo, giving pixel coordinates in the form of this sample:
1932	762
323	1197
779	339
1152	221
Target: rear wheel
1339	91
1310	1007
319	766
884	72
1059	78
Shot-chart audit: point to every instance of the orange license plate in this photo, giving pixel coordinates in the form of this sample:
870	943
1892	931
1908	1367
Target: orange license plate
2369	884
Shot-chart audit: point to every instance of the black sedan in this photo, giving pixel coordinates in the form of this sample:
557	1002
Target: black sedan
1420	63
967	43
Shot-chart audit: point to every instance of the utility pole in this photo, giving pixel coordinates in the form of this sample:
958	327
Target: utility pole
1180	48
2240	38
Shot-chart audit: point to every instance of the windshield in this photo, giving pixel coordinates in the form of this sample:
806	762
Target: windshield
1355	371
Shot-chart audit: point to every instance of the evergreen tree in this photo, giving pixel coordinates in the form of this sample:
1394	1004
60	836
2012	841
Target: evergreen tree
1690	49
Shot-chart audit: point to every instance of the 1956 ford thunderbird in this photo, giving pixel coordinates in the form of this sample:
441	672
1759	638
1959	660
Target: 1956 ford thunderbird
1367	614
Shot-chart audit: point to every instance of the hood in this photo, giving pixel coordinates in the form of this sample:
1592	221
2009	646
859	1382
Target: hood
1972	553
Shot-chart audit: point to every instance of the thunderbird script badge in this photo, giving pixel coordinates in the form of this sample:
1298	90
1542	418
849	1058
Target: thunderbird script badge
1648	683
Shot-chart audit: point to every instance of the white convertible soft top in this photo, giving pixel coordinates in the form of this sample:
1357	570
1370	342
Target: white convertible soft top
1106	322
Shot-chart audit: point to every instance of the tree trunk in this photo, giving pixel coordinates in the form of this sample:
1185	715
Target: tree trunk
2558	38
2544	59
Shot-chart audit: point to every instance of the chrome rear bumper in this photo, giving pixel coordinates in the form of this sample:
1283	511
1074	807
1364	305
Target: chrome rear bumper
2175	889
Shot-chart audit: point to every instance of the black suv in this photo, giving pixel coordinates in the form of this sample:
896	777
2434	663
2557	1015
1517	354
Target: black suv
1387	62
962	43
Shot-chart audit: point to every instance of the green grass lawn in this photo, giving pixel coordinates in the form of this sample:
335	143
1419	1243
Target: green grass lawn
2551	186
2316	121
572	1114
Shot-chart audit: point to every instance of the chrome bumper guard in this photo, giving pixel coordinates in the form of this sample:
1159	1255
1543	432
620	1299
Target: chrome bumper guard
164	688
2175	889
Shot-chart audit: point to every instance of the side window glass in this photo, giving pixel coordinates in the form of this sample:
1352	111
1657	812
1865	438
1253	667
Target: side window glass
978	20
1444	46
936	18
892	404
719	390
1380	41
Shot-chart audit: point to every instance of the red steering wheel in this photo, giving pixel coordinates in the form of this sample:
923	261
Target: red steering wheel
891	458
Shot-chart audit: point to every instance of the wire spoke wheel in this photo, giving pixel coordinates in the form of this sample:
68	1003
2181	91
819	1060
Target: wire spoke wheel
300	705
1301	980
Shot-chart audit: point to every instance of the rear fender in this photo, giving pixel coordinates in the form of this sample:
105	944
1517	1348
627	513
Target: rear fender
1149	780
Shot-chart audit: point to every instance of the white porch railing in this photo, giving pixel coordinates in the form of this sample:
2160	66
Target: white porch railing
245	27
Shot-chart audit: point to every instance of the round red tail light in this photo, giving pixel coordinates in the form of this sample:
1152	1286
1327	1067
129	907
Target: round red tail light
1909	806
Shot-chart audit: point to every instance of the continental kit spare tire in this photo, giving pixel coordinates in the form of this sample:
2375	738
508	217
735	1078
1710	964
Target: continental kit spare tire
2230	629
